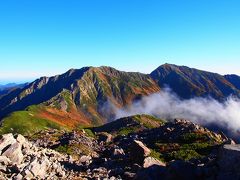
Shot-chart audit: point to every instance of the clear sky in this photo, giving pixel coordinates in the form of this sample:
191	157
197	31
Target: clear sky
48	37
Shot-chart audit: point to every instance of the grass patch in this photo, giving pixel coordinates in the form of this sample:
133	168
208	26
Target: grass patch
25	123
64	149
183	154
193	137
157	155
148	121
201	148
67	97
171	151
127	130
90	133
74	149
87	130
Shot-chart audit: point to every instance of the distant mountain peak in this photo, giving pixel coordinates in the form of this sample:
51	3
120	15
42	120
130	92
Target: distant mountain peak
189	82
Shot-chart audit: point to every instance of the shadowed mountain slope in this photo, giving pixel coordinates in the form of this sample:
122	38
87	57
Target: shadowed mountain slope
234	79
188	82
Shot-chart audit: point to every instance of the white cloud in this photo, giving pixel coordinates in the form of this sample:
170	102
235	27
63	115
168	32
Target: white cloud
167	105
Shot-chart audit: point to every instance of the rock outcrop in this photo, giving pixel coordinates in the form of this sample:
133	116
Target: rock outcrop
229	160
138	151
20	159
174	150
150	161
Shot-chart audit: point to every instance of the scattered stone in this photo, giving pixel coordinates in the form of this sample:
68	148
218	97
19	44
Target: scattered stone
24	160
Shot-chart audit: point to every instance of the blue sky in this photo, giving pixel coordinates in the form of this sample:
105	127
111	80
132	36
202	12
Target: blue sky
49	37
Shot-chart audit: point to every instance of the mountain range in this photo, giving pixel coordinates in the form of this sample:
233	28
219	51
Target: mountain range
7	88
88	96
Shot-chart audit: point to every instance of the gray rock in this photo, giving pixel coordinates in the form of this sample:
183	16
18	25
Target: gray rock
129	175
182	170
18	177
138	152
136	167
85	159
149	161
116	172
20	139
4	160
230	141
154	172
27	174
229	158
34	163
14	153
6	140
105	137
119	151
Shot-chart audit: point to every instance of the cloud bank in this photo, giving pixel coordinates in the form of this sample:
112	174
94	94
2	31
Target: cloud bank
204	111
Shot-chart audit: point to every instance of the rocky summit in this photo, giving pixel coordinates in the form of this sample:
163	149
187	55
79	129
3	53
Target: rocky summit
178	149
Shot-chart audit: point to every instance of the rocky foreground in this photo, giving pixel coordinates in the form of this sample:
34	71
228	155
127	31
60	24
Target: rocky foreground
174	150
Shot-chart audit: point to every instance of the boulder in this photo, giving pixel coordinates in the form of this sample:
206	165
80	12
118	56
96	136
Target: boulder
20	139
4	160
85	159
6	140
179	169
14	153
27	174
138	151
116	172
118	153
149	161
229	158
129	175
105	137
18	177
22	159
154	172
230	141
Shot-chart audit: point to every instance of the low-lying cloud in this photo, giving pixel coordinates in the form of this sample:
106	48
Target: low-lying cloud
204	111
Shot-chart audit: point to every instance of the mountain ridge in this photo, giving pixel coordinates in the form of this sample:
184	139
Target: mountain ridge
189	82
79	96
87	89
